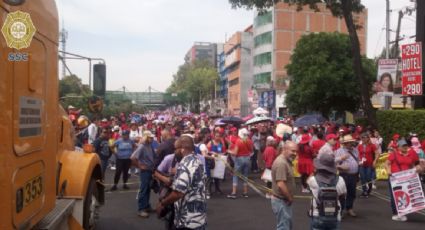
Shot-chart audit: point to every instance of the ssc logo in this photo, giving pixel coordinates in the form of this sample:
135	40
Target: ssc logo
18	30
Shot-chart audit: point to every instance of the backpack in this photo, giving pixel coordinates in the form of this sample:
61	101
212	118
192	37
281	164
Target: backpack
327	201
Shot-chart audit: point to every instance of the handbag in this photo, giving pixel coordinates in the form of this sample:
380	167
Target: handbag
267	175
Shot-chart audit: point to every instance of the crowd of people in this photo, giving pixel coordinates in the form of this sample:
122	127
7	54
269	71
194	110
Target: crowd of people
174	155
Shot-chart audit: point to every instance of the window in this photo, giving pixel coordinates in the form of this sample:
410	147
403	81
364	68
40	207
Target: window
264	38
234	82
263	19
263	59
262	78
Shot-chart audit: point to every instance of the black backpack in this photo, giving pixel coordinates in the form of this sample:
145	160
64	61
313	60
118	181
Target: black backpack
327	201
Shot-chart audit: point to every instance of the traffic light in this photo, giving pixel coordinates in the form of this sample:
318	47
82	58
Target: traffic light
99	80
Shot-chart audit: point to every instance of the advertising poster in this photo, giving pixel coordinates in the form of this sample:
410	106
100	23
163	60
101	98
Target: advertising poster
411	62
407	191
267	99
220	167
385	80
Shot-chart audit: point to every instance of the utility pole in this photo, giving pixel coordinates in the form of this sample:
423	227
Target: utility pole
395	51
420	37
387	30
63	37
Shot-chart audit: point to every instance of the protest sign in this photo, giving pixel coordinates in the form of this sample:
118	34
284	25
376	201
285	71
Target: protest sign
220	167
407	192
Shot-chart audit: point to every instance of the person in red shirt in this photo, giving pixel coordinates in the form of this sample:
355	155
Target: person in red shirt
305	161
317	144
241	153
368	155
393	145
269	156
399	160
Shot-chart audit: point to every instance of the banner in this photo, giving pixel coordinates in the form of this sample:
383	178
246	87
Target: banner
220	167
407	192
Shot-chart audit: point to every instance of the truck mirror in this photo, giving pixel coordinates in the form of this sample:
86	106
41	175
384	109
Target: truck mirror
99	80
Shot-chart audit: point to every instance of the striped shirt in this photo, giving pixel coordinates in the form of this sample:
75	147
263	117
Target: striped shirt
351	163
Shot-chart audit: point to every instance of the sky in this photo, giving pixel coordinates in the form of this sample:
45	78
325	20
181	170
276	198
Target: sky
144	41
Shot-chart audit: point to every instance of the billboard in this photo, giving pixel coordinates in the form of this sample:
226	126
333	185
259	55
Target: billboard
411	59
267	99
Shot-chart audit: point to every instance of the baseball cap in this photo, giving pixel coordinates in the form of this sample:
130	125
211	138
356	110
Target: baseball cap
331	136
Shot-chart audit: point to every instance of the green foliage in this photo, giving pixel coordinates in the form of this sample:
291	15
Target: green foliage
72	85
402	122
322	77
362	121
193	83
333	5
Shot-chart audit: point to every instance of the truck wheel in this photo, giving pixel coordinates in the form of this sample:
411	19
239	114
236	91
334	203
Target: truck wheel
90	206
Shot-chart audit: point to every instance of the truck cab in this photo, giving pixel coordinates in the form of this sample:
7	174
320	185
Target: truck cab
45	183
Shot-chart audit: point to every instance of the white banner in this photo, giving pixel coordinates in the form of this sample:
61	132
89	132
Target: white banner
407	192
220	167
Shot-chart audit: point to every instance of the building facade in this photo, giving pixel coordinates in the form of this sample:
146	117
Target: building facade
276	33
238	67
202	51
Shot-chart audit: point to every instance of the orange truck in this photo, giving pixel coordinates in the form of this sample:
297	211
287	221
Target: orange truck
44	182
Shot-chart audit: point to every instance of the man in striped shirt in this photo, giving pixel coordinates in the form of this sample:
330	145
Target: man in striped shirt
347	161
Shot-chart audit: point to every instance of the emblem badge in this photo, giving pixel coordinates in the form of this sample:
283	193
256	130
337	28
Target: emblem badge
18	30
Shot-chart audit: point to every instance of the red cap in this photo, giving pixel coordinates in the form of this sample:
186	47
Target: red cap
305	138
233	129
331	136
396	136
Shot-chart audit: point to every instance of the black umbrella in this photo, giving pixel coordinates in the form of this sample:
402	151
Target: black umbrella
309	120
232	120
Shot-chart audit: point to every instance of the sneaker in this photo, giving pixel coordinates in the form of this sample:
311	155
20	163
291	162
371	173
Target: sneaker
125	187
245	195
374	187
364	195
231	196
399	218
208	197
351	213
113	188
305	190
113	168
143	214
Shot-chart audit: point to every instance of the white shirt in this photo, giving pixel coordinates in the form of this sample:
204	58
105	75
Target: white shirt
92	131
134	134
314	187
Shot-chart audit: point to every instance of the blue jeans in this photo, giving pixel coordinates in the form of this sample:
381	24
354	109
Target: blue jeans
318	224
366	178
242	165
103	166
145	190
393	207
283	213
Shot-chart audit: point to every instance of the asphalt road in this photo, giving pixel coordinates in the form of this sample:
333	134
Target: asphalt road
252	213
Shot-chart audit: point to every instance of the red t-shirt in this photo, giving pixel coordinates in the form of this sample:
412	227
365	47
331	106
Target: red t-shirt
244	147
400	162
336	146
367	152
316	145
268	156
306	153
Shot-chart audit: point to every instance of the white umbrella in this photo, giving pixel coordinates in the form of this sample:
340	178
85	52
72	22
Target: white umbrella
282	128
257	120
260	111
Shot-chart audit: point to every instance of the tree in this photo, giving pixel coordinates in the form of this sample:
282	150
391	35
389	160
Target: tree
72	85
339	8
194	83
322	77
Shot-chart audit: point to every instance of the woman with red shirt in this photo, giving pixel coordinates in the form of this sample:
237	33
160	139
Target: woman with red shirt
400	160
241	153
269	156
305	161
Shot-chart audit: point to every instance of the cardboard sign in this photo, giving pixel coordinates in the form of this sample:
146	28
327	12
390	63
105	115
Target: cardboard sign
411	62
407	191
